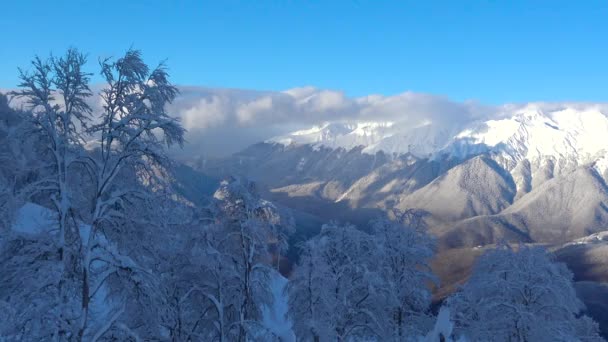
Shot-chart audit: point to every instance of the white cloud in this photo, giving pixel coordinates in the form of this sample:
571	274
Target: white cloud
206	114
223	121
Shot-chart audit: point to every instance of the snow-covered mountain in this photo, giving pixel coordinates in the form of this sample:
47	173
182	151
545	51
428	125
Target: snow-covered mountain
386	136
575	133
533	173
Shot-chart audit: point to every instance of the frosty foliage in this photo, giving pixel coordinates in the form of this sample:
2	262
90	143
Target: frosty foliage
216	274
404	251
29	290
333	292
59	131
247	224
520	295
97	276
60	125
353	285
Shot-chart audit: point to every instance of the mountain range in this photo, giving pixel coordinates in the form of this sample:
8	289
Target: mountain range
535	174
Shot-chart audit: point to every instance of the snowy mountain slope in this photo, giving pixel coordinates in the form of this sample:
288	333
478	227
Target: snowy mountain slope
386	136
277	166
535	132
399	177
572	205
562	209
534	143
476	187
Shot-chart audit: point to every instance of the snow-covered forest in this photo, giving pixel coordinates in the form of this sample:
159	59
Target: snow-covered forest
97	244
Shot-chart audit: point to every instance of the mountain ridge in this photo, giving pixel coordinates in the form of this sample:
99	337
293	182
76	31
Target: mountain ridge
532	132
535	174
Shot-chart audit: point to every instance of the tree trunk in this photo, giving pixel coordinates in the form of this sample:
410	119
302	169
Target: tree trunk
86	281
85	303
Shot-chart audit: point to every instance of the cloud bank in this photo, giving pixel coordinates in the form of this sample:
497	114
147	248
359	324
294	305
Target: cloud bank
224	121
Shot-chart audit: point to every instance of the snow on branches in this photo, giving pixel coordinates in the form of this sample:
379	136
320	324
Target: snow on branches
520	294
353	285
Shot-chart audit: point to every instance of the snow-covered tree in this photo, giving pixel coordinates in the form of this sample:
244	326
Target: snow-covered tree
520	295
7	198
23	157
55	92
308	309
281	230
198	279
132	131
404	250
217	276
103	199
29	289
334	292
246	222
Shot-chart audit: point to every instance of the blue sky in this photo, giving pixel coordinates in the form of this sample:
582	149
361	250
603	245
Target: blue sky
490	51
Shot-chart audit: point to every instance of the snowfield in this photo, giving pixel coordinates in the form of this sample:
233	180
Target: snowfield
275	317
